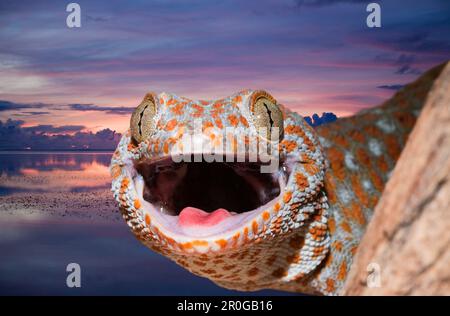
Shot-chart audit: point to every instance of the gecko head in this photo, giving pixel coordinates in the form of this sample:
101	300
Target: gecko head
211	177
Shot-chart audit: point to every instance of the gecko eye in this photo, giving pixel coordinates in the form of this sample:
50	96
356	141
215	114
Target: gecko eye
142	123
267	115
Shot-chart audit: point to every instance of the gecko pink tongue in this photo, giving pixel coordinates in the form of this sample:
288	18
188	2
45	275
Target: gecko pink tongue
191	216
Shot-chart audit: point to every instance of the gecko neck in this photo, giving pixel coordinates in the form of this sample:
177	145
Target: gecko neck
362	151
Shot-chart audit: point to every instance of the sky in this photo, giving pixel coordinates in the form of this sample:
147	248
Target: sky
313	55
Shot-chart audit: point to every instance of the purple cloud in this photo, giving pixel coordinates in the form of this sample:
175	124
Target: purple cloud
210	50
44	129
18	107
406	70
394	87
107	109
8	105
13	136
36	112
316	120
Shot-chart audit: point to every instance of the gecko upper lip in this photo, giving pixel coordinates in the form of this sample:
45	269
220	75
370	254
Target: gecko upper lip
235	186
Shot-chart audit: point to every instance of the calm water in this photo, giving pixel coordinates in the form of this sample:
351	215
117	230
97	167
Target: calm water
53	172
35	251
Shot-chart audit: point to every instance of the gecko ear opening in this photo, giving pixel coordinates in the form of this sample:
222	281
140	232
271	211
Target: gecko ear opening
267	116
143	123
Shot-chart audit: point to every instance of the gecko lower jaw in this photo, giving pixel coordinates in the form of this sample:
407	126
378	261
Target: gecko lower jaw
203	199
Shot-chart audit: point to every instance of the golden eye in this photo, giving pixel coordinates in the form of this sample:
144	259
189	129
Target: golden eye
142	123
267	115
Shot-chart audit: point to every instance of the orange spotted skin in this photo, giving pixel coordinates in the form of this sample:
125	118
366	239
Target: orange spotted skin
305	241
362	151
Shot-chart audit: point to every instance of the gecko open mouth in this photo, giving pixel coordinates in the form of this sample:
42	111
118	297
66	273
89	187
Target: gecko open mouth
201	195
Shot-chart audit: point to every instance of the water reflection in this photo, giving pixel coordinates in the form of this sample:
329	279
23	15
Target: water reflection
12	163
53	172
112	262
37	246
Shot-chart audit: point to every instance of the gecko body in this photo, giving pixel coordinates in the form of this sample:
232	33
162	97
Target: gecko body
295	228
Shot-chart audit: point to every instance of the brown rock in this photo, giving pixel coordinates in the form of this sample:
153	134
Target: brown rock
407	243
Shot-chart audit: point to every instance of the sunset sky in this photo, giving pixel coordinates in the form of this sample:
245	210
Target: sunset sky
312	55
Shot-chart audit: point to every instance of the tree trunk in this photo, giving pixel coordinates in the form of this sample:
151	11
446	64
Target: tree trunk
406	249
